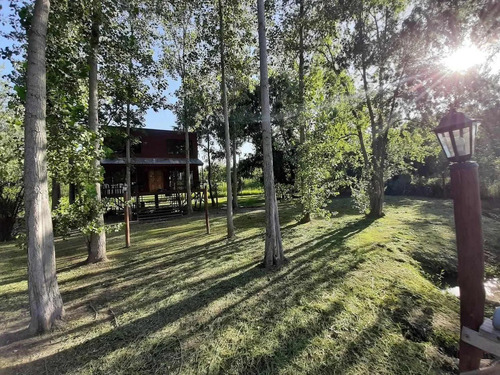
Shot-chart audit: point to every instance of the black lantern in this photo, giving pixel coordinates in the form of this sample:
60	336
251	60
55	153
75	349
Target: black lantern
457	134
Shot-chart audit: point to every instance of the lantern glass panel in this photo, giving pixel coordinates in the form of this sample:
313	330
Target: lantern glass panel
462	141
445	140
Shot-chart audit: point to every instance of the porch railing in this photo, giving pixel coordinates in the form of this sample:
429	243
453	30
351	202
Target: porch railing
117	190
112	190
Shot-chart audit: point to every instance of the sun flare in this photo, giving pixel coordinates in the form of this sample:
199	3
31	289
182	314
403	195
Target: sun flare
464	58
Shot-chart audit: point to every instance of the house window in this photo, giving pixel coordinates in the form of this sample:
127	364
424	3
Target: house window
175	147
137	148
178	147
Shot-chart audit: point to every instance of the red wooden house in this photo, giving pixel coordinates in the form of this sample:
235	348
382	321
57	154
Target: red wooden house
158	168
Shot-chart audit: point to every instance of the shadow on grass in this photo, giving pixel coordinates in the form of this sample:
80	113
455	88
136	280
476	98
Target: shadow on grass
254	287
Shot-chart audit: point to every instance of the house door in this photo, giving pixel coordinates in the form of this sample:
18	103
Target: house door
155	178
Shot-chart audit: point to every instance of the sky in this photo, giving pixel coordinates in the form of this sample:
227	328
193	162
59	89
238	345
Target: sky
164	119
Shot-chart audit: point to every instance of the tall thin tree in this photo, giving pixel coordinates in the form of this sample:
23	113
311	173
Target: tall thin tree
45	300
97	247
235	171
186	127
128	169
230	225
274	255
306	215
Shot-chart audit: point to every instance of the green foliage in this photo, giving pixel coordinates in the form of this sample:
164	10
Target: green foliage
329	151
284	192
11	163
82	215
359	191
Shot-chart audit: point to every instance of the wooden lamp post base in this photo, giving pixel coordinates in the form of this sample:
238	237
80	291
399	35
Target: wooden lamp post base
467	207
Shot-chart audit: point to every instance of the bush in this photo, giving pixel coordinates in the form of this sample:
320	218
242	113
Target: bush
490	191
284	191
418	186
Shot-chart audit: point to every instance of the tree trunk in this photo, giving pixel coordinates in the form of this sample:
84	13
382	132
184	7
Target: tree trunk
128	179
210	171
6	227
362	145
235	174
216	196
376	190
377	194
72	186
56	194
72	193
97	249
274	256
306	215
188	170
379	141
301	73
45	300
230	225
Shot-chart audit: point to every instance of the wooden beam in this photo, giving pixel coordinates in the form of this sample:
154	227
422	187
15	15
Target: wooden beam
492	370
479	341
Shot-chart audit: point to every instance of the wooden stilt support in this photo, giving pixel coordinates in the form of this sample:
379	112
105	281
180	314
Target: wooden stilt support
207	220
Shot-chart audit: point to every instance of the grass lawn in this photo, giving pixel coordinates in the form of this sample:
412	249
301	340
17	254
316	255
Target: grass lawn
357	297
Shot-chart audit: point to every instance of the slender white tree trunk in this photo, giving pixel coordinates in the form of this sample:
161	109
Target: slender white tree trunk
128	179
274	256
210	170
306	215
301	73
235	175
97	247
188	168
45	300
230	225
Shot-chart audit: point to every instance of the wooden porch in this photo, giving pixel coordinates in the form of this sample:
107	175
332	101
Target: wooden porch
147	206
157	191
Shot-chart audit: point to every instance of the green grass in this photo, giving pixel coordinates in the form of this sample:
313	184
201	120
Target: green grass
250	187
246	201
357	297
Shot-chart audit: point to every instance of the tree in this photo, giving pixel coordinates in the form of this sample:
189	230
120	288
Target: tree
97	248
209	150
45	300
68	135
274	256
230	225
382	46
181	43
303	27
224	31
330	151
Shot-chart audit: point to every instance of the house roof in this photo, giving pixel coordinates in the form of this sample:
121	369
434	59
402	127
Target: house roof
151	161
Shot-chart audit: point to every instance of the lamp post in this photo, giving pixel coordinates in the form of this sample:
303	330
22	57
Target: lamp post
456	134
